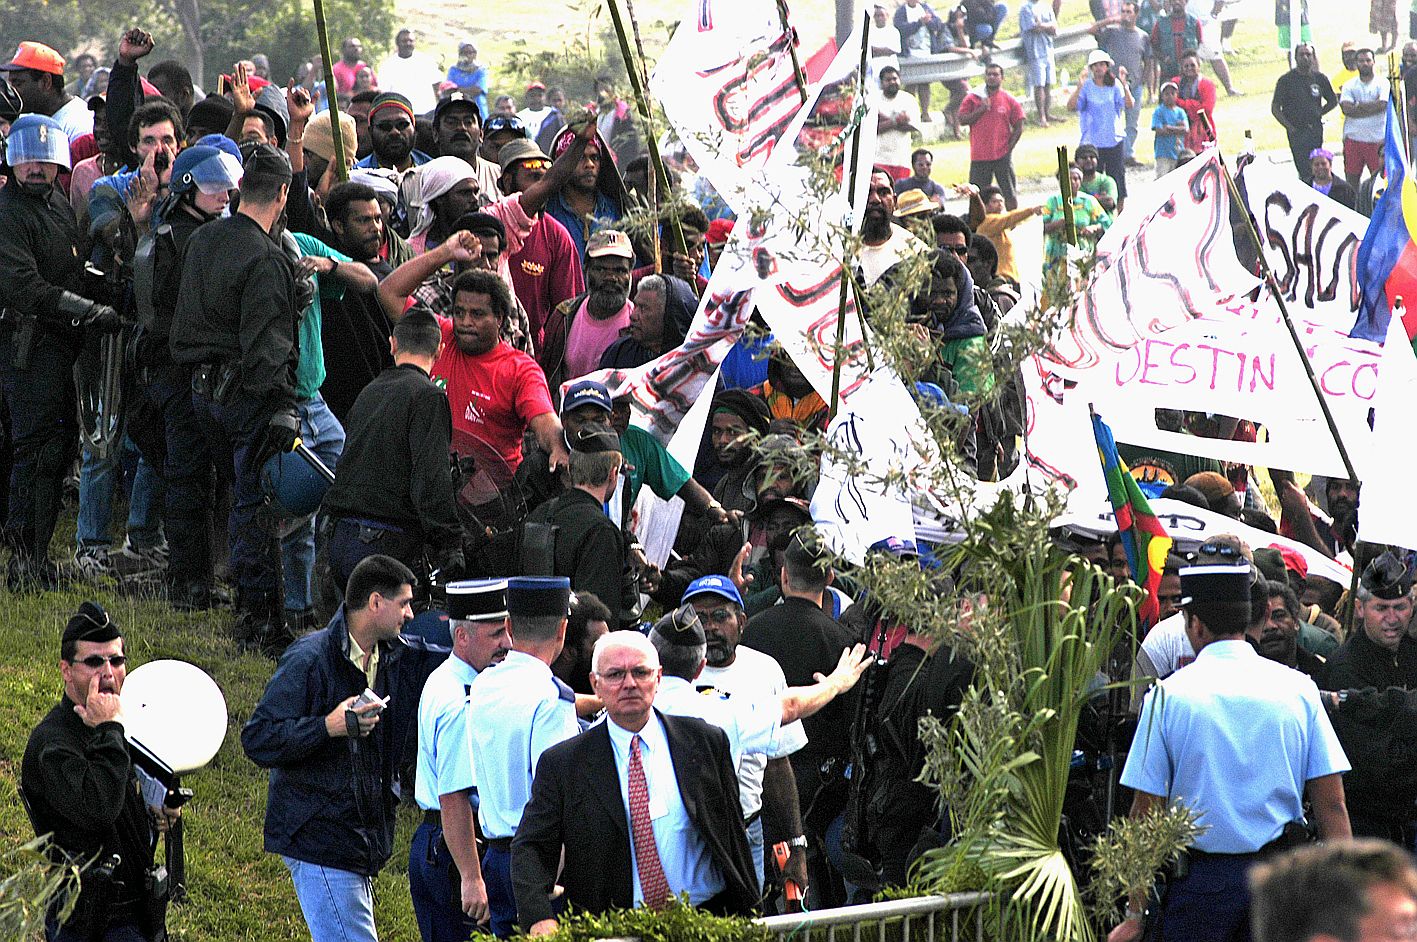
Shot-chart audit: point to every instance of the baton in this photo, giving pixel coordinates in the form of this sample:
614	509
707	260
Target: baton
312	459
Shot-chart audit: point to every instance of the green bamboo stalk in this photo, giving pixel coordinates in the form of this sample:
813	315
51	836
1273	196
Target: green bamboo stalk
331	90
851	199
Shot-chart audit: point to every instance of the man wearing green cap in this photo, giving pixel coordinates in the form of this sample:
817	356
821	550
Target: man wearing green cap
80	786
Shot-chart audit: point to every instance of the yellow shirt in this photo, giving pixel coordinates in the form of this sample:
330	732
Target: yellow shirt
356	655
995	227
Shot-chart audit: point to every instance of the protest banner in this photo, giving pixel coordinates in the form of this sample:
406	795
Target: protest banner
1311	243
1389	515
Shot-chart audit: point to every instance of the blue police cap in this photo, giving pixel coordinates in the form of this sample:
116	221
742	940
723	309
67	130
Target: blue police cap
539	595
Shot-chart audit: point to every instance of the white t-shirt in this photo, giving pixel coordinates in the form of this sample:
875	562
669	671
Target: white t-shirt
753	674
412	78
533	118
1369	129
75	117
893	147
876	260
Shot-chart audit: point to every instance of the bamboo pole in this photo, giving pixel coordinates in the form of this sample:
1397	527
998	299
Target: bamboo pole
331	91
846	278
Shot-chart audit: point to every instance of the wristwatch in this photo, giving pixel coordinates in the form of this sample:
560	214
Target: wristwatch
799	841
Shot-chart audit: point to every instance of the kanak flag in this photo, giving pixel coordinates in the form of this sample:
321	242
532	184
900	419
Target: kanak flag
1387	259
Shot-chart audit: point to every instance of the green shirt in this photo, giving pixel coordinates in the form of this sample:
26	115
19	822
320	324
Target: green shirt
1101	185
1086	212
310	369
650	464
968	360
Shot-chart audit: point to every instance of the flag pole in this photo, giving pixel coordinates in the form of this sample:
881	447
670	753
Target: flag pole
1268	276
791	35
646	113
846	277
331	91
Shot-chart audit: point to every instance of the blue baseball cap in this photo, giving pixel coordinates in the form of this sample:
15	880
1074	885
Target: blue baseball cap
587	392
721	586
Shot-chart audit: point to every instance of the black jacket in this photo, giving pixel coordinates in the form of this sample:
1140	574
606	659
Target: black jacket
589	550
169	248
237	305
40	258
576	803
330	801
395	462
80	786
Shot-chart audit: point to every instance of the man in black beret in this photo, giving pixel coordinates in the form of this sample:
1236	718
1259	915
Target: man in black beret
1378	653
80	785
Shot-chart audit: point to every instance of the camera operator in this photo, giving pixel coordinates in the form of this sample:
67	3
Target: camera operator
43	319
80	785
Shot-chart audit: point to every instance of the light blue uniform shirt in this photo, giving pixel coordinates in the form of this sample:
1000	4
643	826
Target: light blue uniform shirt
517	710
444	761
1235	737
753	724
685	858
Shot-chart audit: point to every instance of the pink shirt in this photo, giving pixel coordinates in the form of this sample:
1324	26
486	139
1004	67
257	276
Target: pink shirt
589	338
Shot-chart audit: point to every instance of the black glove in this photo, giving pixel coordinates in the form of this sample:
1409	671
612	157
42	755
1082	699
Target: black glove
448	565
282	431
85	313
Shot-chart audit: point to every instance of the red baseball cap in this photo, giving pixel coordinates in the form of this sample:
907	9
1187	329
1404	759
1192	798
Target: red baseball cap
531	85
37	56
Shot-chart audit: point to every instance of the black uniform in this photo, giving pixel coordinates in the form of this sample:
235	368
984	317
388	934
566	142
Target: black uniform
589	548
235	325
187	461
80	786
393	490
1382	787
40	261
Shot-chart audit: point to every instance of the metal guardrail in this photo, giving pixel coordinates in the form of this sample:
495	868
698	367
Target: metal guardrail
949	66
923	917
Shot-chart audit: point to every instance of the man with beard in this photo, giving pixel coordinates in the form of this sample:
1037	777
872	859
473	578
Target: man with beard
443	191
593	198
897	124
1379	654
884	244
1279	638
41	332
457	127
546	270
659	320
1302	97
391	135
736	419
588	621
1299	521
496	393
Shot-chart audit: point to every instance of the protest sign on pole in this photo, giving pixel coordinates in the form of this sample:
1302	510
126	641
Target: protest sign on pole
1389	515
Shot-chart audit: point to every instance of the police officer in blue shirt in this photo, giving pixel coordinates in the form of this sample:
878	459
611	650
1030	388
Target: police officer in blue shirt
516	713
444	874
1240	740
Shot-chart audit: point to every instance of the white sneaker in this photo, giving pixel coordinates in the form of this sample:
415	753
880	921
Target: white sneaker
92	563
154	556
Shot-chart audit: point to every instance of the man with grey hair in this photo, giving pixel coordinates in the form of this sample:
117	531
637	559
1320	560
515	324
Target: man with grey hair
1354	891
516	713
592	797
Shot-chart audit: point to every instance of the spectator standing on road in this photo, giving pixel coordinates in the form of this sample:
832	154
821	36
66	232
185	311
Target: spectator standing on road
995	120
1196	94
1170	126
897	123
411	74
1130	48
470	77
916	22
1302	97
1207	14
1382	21
1102	103
1038	26
1363	102
1174	33
885	39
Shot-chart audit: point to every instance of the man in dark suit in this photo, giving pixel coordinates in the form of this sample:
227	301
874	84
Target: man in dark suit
644	804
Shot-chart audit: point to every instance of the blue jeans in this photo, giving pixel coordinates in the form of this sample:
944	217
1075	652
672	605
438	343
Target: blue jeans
1133	114
338	905
322	434
981	32
755	844
98	478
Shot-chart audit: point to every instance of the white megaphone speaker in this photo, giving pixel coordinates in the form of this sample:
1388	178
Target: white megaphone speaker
174	718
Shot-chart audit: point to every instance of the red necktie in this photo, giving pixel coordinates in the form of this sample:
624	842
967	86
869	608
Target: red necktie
653	884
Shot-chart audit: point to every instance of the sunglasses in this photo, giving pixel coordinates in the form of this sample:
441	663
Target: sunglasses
504	122
960	250
1219	549
536	163
96	661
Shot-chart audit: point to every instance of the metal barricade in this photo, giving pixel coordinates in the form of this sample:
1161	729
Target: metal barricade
948	66
953	918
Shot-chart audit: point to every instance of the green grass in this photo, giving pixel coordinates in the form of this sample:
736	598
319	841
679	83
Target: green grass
237	890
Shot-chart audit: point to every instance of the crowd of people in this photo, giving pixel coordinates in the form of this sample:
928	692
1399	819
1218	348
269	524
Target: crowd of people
373	397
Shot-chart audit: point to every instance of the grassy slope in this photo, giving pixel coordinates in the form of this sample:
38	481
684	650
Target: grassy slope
238	891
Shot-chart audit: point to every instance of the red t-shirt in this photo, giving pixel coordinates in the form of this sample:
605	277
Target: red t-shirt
545	271
989	134
493	396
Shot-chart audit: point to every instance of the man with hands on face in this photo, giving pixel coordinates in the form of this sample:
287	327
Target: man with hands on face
330	807
80	786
